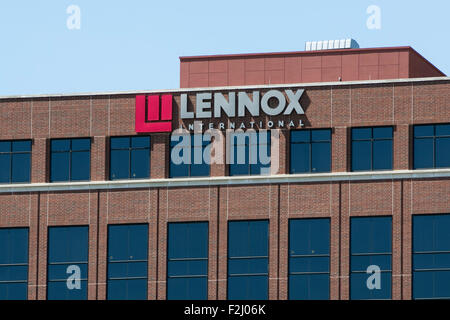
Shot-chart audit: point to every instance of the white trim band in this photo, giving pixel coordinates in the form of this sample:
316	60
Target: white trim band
220	181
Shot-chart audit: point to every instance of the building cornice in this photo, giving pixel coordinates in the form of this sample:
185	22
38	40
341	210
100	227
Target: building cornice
231	88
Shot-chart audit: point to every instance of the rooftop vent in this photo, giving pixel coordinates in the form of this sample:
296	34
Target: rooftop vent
331	44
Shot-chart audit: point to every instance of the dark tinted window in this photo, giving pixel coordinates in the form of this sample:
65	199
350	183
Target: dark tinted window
431	257
432	146
68	249
372	148
309	259
248	260
190	156
127	262
13	263
130	157
371	245
187	265
250	153
15	161
310	151
70	159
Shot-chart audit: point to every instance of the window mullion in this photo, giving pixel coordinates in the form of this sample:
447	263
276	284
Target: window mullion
434	151
70	163
11	165
129	162
372	141
249	164
189	166
70	160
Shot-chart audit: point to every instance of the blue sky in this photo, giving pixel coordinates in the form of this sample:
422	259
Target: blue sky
135	45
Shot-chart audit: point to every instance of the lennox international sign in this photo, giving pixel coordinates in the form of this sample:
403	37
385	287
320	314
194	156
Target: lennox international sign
154	113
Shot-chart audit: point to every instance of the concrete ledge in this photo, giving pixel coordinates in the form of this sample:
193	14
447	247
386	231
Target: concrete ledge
222	181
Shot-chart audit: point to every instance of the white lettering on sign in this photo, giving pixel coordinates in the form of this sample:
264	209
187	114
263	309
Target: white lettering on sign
206	108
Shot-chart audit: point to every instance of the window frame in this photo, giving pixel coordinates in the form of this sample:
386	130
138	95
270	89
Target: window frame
247	147
126	261
310	144
130	149
70	152
11	153
27	264
309	256
86	280
248	257
189	166
168	259
434	137
368	254
372	140
414	253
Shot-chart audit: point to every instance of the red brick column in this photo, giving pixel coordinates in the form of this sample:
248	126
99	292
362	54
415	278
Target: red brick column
397	241
222	244
335	241
33	246
162	243
102	255
39	160
284	151
407	240
274	235
93	246
99	159
160	156
213	238
345	242
219	145
339	150
401	147
42	247
153	244
284	243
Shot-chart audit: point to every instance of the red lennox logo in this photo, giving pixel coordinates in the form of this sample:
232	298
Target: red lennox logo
148	115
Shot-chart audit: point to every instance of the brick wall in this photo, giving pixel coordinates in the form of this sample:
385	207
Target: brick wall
304	67
336	107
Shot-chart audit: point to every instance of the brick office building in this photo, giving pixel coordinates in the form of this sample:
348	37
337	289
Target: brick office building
88	187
